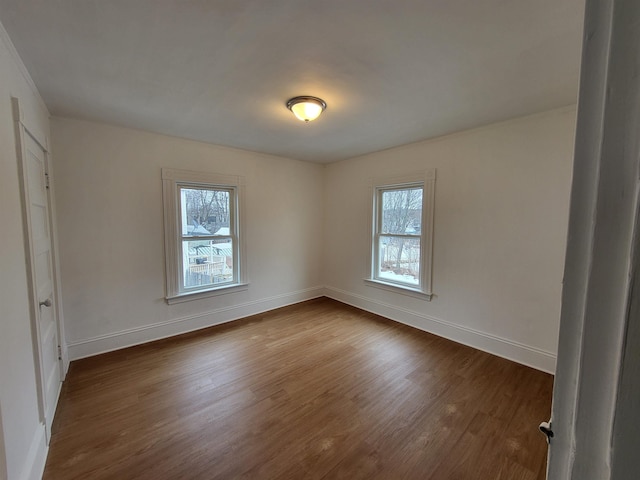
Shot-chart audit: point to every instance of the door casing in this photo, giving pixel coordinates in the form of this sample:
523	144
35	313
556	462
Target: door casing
23	130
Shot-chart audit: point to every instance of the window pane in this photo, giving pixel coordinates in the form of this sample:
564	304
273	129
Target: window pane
204	211
402	211
399	260
207	262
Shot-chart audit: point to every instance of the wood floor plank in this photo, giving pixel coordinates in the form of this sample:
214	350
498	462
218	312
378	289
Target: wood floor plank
318	390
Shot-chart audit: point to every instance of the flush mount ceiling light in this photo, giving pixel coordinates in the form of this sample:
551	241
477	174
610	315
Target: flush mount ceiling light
306	108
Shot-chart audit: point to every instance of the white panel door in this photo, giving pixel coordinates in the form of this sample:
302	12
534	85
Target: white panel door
46	323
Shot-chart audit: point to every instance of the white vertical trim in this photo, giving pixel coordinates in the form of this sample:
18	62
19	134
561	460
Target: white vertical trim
21	132
29	256
428	219
36	459
169	196
57	280
593	405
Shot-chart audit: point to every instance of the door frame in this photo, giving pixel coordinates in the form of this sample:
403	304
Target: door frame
594	413
23	129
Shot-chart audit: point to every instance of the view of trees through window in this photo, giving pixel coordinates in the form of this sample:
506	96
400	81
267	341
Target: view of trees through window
205	209
399	232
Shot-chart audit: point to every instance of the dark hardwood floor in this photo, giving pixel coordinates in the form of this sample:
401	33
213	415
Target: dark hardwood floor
318	390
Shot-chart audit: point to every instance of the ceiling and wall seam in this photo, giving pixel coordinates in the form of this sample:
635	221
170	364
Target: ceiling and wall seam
4	37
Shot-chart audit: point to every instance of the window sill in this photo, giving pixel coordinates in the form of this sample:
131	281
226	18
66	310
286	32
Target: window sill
392	287
214	292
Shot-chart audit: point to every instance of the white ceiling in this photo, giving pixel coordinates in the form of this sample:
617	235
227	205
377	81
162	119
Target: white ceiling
391	71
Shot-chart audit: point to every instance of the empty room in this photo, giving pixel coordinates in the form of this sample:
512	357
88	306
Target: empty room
319	240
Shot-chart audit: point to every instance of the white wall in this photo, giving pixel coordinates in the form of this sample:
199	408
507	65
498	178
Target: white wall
110	224
23	447
501	213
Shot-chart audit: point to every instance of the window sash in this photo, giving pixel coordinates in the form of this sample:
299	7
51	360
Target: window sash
210	267
232	196
409	264
378	234
233	199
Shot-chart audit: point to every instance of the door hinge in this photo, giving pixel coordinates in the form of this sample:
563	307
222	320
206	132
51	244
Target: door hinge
59	352
46	180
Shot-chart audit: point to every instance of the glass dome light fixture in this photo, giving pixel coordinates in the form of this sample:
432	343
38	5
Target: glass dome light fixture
306	108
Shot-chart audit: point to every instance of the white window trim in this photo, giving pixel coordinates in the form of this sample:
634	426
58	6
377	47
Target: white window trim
171	179
427	178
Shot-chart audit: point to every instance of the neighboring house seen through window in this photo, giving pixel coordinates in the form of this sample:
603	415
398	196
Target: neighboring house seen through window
202	233
402	232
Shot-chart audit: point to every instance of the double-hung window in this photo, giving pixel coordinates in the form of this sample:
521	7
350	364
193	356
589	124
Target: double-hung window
203	238
402	233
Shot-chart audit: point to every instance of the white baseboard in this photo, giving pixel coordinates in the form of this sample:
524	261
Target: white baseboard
157	331
502	347
37	456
